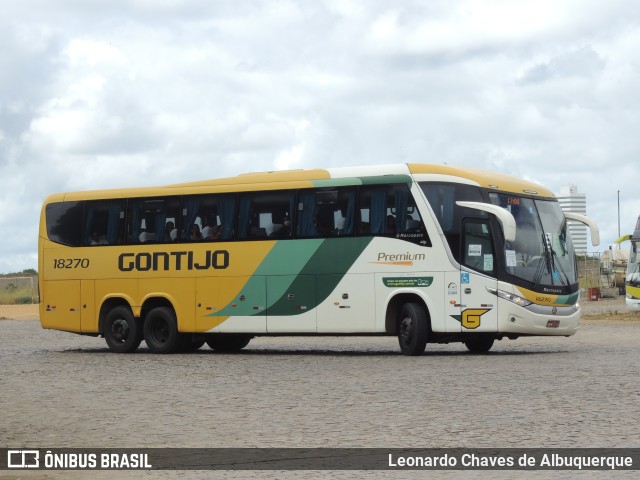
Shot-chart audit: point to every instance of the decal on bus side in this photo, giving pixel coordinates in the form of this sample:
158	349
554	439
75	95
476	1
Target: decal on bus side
470	317
184	260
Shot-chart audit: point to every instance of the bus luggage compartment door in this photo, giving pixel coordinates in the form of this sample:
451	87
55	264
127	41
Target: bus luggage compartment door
62	306
291	301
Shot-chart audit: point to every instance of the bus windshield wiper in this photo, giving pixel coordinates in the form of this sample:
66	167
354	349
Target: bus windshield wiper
556	263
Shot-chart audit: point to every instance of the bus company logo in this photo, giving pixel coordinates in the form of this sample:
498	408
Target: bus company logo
165	261
401	259
23	458
470	318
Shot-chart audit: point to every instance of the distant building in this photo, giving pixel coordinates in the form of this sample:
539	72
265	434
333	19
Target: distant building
572	201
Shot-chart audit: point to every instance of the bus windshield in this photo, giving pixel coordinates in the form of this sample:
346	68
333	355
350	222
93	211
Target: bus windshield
542	252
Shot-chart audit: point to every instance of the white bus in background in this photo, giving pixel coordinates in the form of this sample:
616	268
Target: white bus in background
632	278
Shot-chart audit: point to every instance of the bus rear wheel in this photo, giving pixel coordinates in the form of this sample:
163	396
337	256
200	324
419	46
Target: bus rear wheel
413	329
161	330
122	331
479	343
228	342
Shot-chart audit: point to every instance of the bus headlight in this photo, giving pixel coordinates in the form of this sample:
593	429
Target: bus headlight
522	302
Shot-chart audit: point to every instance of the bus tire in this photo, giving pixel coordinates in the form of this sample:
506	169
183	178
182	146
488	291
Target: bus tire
413	329
479	343
122	331
189	344
229	342
161	330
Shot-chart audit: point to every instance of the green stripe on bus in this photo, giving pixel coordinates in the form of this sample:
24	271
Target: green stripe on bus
386	179
325	269
285	258
567	299
350	181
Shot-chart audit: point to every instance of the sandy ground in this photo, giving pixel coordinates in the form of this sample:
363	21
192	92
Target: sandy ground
19	312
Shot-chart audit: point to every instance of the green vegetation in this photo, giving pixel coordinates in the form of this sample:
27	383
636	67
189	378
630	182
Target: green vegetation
19	288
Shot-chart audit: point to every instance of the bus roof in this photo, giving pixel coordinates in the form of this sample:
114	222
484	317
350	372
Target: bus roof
276	180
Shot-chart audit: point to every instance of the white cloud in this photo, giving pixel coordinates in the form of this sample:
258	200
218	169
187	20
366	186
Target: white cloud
133	92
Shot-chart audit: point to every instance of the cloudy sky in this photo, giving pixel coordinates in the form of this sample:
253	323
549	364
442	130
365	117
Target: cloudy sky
119	93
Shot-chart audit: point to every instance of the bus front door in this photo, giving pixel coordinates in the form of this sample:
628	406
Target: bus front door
478	307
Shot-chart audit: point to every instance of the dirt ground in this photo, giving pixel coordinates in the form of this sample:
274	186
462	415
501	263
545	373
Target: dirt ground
19	312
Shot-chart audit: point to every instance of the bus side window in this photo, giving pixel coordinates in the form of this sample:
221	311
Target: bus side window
477	250
326	212
214	215
260	214
103	222
390	211
64	222
150	218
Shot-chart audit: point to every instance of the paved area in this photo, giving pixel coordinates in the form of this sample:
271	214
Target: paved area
60	390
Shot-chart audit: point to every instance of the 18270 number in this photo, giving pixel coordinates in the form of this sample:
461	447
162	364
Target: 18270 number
70	263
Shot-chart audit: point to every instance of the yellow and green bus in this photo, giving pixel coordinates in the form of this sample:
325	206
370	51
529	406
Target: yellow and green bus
632	278
427	253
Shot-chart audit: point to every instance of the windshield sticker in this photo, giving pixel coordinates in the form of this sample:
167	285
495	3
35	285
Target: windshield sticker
510	257
475	250
488	263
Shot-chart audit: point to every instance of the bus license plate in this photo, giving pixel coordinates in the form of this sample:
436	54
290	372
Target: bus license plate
553	323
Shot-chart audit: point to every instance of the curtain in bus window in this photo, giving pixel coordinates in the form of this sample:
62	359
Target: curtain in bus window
161	221
378	214
244	217
190	208
227	212
441	199
113	224
350	214
135	223
306	226
402	203
102	219
88	225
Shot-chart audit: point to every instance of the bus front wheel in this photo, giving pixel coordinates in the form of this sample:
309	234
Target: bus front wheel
122	331
161	330
479	343
413	329
228	342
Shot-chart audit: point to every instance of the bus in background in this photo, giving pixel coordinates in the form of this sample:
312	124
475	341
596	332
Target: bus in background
632	279
427	253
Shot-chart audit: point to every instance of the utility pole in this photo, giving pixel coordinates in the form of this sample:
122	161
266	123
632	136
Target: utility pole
618	217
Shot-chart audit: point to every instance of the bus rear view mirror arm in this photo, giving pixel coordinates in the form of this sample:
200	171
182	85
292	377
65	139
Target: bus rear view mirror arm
505	217
623	239
593	227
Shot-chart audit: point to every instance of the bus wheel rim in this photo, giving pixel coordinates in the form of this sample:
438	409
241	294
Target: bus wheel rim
161	332
120	330
406	330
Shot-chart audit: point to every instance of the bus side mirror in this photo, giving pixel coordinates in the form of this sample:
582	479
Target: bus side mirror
504	216
593	227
